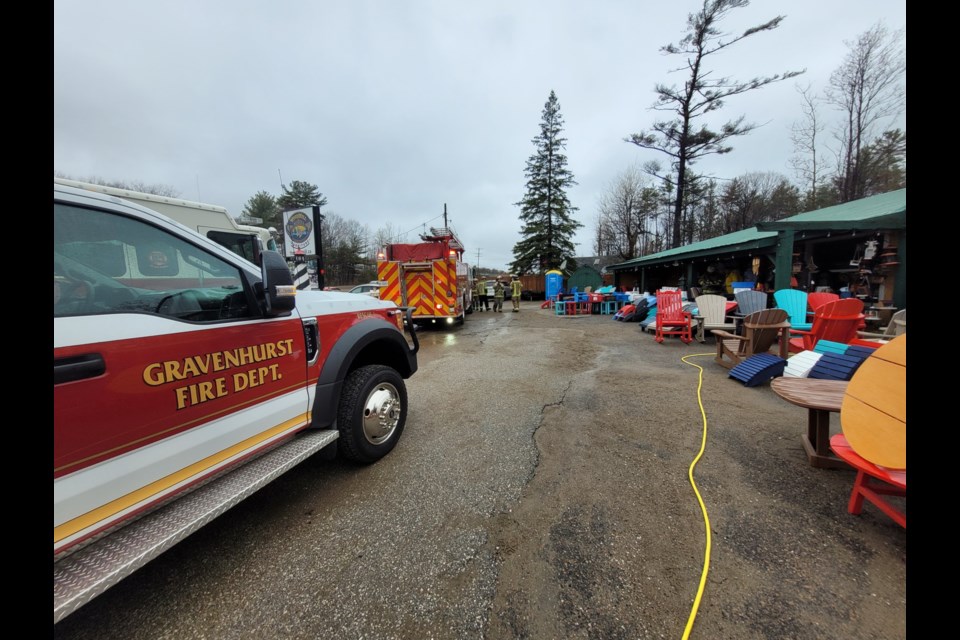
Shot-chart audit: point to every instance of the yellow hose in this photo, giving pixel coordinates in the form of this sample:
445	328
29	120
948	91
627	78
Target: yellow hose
703	508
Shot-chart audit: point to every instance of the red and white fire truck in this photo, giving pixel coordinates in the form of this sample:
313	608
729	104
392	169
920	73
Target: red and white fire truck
428	277
185	378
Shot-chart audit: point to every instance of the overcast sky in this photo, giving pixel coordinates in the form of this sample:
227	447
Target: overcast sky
395	108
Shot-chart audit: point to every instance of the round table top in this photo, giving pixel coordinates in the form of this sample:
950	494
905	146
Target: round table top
873	415
811	393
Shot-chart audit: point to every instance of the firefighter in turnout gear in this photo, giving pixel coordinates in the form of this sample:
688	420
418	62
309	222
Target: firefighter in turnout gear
515	292
482	301
498	291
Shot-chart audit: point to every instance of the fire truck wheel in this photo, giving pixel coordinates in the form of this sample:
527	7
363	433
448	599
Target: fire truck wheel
372	412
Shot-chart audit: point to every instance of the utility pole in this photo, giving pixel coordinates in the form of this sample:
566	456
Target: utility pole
318	219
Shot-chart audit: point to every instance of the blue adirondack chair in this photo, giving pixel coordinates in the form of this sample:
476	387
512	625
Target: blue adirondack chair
794	302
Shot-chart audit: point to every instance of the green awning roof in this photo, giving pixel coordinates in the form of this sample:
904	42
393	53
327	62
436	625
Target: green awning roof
884	211
743	240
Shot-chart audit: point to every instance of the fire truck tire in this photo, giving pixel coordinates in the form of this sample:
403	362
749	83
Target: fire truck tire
372	413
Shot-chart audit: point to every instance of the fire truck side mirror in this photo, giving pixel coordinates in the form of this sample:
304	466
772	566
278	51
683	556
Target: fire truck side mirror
279	292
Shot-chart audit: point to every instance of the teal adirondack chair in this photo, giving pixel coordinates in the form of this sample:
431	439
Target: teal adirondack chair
794	302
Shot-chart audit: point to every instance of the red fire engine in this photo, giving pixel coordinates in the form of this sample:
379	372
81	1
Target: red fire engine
428	277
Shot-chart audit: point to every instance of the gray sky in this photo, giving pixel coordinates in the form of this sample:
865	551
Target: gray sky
395	108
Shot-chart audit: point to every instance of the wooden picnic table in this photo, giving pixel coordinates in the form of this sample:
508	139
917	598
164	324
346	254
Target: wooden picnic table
820	398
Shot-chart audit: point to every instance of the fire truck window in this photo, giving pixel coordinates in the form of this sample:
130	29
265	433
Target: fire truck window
108	263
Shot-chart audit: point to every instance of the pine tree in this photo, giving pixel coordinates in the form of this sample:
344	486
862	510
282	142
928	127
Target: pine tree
263	205
702	94
545	210
300	194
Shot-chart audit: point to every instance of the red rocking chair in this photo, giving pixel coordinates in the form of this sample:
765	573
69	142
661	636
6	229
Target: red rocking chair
671	319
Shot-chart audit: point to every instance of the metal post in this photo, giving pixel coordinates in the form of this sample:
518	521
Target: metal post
321	268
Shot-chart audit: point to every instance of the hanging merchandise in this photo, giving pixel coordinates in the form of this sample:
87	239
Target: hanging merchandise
857	256
870	250
888	258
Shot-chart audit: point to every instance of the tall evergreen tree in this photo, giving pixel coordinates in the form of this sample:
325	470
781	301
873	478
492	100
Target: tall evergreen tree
702	93
545	210
883	163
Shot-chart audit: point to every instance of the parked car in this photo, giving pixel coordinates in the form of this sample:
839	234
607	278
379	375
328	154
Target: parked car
370	289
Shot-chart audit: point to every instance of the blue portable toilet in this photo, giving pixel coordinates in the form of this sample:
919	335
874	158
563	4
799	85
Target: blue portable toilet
553	281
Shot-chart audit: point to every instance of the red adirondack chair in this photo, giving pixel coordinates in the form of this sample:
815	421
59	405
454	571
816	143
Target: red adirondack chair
817	299
671	319
837	321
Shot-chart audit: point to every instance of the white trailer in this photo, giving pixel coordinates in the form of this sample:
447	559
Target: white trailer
209	220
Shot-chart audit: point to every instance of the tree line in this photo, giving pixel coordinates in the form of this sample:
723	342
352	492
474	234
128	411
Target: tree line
653	208
658	206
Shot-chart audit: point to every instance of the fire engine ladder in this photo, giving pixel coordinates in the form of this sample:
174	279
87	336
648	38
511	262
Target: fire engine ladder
91	570
444	233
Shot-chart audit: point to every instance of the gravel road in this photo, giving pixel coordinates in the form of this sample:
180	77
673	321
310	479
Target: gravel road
542	490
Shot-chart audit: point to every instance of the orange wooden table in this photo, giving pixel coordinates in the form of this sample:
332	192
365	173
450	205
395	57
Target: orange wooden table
820	398
873	417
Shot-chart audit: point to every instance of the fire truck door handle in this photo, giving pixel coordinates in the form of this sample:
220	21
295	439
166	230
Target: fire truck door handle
88	365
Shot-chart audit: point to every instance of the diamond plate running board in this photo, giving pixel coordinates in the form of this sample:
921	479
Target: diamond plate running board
85	574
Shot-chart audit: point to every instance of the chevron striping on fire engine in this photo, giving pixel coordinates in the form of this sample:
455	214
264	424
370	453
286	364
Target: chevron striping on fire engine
429	277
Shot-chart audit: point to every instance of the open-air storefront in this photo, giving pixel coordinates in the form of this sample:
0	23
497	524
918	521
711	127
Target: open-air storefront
855	249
